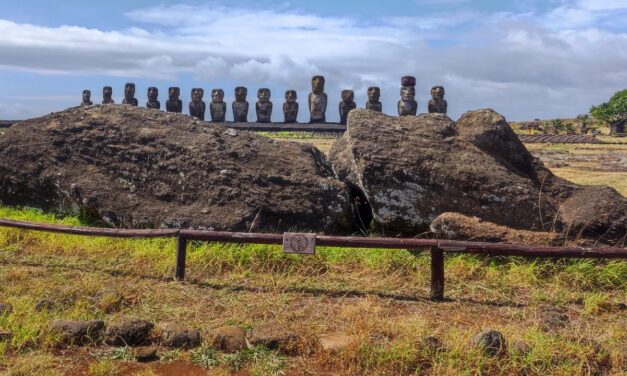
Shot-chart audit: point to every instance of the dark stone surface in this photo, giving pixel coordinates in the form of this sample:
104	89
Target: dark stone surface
137	168
86	98
437	104
346	105
290	107
174	336
153	95
240	105
197	107
78	332
263	106
107	93
490	343
145	354
317	100
174	103
130	332
373	104
129	95
407	105
217	107
274	337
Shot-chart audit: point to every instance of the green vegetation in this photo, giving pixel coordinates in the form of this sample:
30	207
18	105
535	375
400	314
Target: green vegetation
614	111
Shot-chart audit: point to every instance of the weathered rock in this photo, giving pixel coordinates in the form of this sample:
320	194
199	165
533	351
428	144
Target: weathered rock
228	338
274	337
412	169
335	342
132	332
77	332
181	338
5	335
490	343
132	167
5	309
145	354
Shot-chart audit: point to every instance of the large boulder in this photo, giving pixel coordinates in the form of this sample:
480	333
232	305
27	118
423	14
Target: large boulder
411	169
135	167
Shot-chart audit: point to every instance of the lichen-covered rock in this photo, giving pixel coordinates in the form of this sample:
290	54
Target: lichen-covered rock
135	167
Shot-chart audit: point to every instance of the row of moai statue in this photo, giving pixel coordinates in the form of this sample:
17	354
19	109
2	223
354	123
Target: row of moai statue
317	100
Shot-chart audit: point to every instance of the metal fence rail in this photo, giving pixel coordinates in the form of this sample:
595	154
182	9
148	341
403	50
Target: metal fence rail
437	247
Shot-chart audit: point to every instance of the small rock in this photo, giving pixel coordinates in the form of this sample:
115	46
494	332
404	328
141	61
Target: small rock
231	132
520	347
145	353
180	338
5	335
228	338
5	309
433	344
490	342
44	305
273	337
335	342
78	332
131	332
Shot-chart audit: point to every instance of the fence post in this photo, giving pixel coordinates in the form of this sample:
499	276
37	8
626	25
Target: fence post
437	274
181	254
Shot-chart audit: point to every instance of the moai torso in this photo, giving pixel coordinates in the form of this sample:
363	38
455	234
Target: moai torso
407	105
346	105
263	106
107	93
129	95
240	105
174	104
290	107
317	100
217	108
153	94
197	106
373	104
86	98
437	104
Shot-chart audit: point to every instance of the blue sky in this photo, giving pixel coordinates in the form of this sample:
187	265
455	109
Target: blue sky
526	59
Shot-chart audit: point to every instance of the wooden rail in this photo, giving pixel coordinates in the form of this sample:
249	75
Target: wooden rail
437	247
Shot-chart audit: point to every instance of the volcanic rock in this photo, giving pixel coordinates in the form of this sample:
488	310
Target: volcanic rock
490	343
181	338
411	169
129	332
77	332
228	338
134	167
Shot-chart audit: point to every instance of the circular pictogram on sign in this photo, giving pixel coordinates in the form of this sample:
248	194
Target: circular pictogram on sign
299	243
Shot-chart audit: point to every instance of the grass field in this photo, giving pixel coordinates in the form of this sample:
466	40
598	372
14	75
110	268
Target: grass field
570	313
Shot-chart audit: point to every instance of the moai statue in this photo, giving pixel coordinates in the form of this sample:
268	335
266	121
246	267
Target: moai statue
437	104
107	93
407	105
290	107
374	93
240	105
129	95
153	94
217	108
317	100
197	106
174	104
86	98
346	105
263	106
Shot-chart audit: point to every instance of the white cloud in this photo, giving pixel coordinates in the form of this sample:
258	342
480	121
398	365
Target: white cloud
526	65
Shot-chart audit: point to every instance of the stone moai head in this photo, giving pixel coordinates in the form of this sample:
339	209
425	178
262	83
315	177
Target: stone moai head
317	84
437	92
129	91
408	89
263	95
217	95
174	93
374	93
153	93
290	96
240	93
348	96
86	96
197	94
107	92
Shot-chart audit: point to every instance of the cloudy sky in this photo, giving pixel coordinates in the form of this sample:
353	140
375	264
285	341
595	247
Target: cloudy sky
524	58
